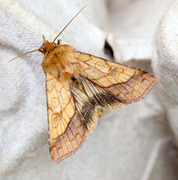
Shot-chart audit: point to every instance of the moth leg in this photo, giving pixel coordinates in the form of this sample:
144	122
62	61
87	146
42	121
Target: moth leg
100	112
59	41
43	38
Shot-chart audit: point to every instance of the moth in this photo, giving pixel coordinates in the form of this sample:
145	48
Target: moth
79	86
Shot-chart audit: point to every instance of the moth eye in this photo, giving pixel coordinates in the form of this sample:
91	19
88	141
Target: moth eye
43	50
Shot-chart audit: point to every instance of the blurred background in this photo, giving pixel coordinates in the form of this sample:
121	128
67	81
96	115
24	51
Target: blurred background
136	142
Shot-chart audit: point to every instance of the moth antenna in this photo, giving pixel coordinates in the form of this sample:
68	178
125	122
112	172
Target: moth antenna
68	23
24	54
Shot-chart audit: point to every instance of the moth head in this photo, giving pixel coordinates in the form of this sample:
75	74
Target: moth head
47	46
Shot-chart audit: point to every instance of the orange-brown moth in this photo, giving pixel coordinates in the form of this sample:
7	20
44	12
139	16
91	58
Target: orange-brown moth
79	85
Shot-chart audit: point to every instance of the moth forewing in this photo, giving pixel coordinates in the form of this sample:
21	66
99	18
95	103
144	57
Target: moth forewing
66	132
127	84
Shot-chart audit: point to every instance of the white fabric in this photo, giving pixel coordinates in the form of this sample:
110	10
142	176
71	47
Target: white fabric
131	143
